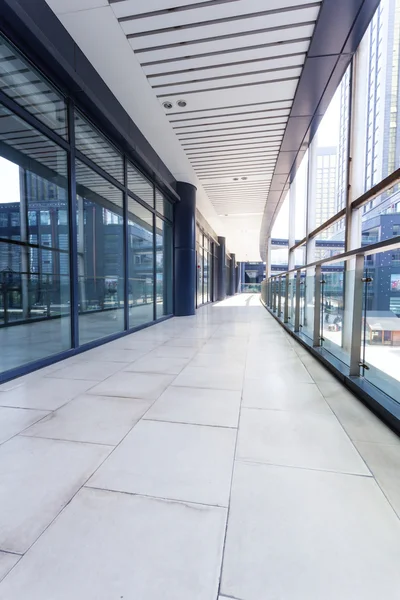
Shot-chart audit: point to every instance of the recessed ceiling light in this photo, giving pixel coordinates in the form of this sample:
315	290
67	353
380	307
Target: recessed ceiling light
236	179
182	103
244	178
167	105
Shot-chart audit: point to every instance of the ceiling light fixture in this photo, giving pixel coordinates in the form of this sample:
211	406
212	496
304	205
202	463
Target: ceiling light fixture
181	103
167	105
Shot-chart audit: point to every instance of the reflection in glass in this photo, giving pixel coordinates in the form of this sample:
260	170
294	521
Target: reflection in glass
27	87
332	309
163	206
96	147
199	276
139	185
140	264
163	268
381	322
34	260
100	256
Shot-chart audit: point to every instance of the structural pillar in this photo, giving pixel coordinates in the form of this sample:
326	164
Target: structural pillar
221	254
185	250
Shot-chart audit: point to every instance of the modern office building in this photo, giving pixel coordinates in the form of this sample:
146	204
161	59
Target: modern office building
199	299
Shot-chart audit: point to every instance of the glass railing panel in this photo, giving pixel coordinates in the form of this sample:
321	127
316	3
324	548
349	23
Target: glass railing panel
283	297
250	288
309	304
302	299
381	323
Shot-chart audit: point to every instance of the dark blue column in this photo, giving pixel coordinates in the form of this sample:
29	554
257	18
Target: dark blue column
185	250
221	273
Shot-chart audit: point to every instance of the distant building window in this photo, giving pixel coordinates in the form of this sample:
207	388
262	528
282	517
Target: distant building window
15	219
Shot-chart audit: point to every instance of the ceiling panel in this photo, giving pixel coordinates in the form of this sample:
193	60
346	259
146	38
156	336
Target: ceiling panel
225	73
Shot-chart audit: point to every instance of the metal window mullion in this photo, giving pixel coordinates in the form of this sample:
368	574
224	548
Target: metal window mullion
297	306
317	307
154	260
73	232
35	123
356	330
126	250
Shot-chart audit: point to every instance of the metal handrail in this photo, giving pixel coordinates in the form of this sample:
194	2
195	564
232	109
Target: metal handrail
385	245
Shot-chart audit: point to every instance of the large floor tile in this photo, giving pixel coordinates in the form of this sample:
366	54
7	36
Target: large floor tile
384	462
7	562
117	355
148	386
44	393
297	439
15	420
182	342
197	406
91	370
165	351
108	546
291	370
359	422
275	393
151	364
89	418
169	460
216	361
203	377
295	534
37	479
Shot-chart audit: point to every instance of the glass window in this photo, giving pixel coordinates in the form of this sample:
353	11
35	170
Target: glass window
28	88
96	147
140	264
298	200
377	144
163	206
34	260
142	188
199	283
100	255
163	268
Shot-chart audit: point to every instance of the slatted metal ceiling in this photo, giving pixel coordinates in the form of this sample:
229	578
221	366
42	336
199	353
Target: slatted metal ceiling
236	64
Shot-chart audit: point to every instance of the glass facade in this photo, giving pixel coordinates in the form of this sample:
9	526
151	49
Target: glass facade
206	258
85	238
351	152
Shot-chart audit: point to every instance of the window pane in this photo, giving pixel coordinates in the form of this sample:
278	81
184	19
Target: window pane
140	186
164	267
163	206
100	256
96	147
34	258
26	86
377	150
140	264
329	159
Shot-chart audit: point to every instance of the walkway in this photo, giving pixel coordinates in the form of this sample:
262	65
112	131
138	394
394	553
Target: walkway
124	474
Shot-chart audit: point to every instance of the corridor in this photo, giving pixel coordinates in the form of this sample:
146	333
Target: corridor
205	458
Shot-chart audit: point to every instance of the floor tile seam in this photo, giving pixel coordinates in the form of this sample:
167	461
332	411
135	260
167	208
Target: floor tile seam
26	428
81	486
61	379
153	420
198	387
153	497
231	487
290	410
11	552
299	468
343	428
55	439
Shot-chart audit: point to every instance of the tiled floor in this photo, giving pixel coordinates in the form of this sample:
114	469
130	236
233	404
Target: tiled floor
205	458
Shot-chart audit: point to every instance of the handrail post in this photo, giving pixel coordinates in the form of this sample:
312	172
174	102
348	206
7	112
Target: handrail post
317	307
274	295
286	311
297	307
356	329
